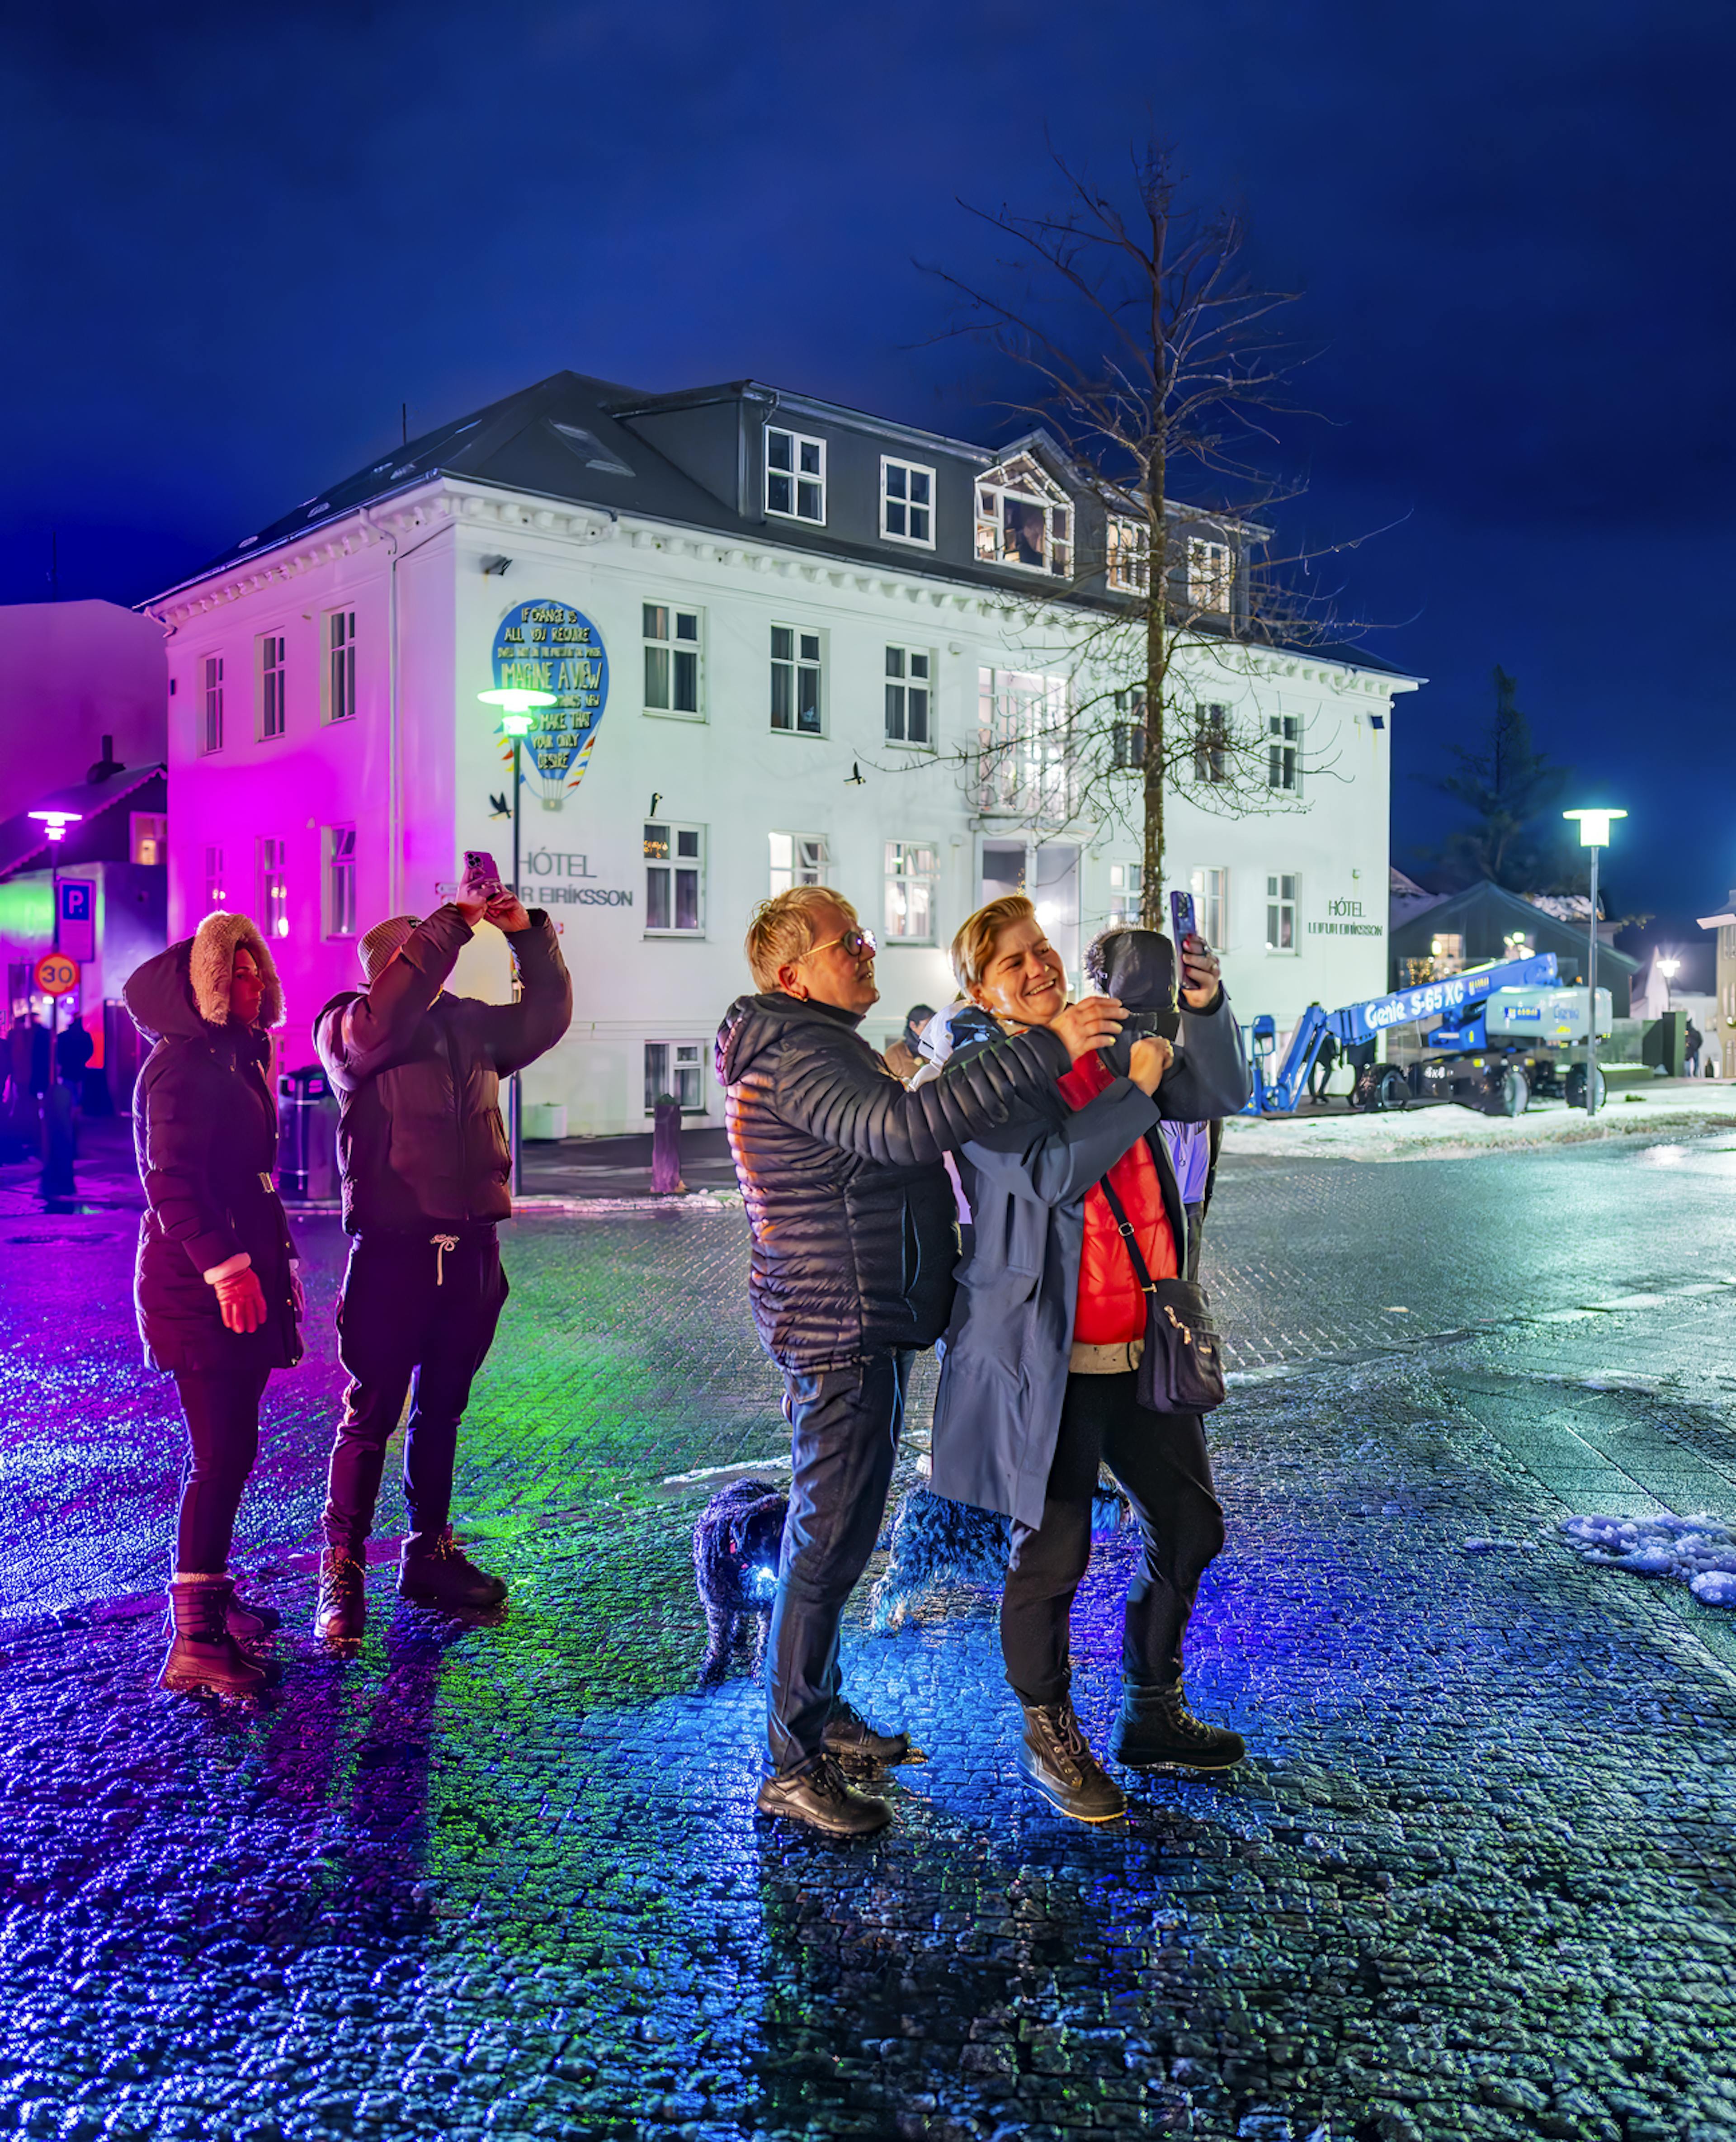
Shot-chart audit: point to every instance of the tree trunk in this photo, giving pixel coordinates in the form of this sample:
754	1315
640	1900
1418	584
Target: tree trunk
1156	685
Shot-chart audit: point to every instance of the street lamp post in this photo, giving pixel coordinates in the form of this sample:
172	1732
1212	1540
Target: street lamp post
1594	834
517	715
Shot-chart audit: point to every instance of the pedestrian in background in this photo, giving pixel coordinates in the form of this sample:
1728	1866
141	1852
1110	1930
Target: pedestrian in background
1038	1371
854	1247
1695	1041
219	1302
73	1049
1320	1071
904	1058
426	1179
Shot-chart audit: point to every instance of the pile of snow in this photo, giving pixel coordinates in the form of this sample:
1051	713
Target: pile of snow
1698	1550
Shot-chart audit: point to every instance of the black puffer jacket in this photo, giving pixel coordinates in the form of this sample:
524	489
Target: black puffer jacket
204	1130
417	1074
854	1237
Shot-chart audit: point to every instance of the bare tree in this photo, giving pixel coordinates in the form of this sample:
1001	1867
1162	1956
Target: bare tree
1152	359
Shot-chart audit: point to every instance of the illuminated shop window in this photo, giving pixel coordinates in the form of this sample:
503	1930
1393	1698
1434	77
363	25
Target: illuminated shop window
674	880
796	859
796	672
907	502
908	678
795	475
1023	518
672	659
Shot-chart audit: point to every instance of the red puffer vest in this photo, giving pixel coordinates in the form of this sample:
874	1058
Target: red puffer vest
1111	1307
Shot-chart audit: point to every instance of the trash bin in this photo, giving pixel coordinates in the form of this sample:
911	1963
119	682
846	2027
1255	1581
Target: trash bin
546	1119
307	1136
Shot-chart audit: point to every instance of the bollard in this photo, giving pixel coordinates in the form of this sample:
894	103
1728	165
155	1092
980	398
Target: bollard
58	1145
666	1146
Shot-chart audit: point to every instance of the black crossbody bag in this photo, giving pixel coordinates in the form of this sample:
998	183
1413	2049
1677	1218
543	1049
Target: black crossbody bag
1182	1369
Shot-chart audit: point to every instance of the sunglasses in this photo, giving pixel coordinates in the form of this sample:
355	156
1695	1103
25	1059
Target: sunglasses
857	944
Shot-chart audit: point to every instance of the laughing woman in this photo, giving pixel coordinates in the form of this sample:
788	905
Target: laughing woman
1037	1379
218	1301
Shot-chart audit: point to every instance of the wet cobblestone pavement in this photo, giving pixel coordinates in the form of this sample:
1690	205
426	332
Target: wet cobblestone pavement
1477	1880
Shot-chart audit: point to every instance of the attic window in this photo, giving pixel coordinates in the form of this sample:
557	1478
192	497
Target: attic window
589	448
1023	518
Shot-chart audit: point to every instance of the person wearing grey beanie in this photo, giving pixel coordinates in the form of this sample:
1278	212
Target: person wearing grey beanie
427	1175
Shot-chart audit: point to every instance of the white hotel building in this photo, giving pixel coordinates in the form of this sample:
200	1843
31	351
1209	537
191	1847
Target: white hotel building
776	627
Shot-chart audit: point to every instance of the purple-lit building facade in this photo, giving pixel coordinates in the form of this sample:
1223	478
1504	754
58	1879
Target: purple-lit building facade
774	626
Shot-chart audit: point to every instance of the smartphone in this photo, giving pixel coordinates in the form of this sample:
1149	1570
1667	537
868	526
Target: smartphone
1183	921
481	872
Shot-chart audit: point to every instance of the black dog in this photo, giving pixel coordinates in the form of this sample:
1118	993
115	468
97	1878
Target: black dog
736	1545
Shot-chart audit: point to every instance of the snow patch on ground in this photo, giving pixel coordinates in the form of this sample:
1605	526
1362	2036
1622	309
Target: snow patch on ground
1426	1133
1698	1550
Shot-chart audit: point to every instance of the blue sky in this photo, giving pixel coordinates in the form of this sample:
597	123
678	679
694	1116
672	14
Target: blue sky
247	237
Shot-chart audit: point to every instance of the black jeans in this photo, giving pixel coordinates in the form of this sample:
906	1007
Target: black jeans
846	1423
412	1310
1160	1459
222	1407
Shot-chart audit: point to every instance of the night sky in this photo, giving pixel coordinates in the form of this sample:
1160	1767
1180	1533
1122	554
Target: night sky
237	239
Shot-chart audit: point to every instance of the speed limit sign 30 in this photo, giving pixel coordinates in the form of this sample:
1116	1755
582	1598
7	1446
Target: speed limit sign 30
55	974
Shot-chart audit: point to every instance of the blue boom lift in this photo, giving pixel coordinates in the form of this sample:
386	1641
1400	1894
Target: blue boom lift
1496	1029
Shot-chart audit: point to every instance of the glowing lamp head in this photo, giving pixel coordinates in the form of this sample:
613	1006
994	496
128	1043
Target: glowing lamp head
515	705
1594	826
1669	969
55	823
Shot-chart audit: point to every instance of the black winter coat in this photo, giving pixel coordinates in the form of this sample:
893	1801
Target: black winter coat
855	1229
204	1130
417	1075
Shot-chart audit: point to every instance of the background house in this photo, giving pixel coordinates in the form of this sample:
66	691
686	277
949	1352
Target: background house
1486	922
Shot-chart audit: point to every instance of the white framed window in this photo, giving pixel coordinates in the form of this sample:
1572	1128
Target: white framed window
796	680
1212	744
1127	562
909	700
339	844
340	677
210	734
1024	740
1210	575
275	888
1127	732
677	1068
1284	892
1283	749
1023	518
796	859
907	502
216	892
912	868
147	837
795	475
1127	893
273	707
672	659
674	880
1210	889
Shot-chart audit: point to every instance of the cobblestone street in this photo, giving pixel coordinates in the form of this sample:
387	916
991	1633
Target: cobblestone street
1475	1879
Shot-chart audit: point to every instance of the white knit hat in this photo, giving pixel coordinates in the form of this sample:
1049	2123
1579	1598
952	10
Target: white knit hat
376	948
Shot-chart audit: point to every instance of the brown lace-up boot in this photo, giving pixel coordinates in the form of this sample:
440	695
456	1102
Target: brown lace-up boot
1055	1760
341	1614
1156	1727
203	1658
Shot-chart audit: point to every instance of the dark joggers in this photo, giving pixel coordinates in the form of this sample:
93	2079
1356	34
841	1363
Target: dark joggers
845	1429
414	1307
1160	1459
222	1407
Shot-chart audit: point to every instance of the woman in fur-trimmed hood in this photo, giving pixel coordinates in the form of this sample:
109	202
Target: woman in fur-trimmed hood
218	1300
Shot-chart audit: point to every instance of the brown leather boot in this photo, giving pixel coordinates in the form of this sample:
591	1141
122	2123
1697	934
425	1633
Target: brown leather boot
432	1572
203	1658
341	1613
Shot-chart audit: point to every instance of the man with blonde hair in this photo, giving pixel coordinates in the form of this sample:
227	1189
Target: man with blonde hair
854	1245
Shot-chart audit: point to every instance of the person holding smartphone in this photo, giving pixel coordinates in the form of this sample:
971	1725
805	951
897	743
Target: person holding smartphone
426	1177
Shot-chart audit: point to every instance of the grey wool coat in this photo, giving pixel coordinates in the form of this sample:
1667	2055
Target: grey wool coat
1003	1359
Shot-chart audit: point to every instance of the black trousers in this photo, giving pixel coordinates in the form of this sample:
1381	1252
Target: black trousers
1160	1458
416	1311
846	1425
222	1407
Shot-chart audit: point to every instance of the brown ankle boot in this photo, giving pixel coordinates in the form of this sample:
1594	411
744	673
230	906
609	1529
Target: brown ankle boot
341	1613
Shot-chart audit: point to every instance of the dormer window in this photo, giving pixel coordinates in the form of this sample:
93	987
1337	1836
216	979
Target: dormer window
795	475
1128	561
1210	575
1023	518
